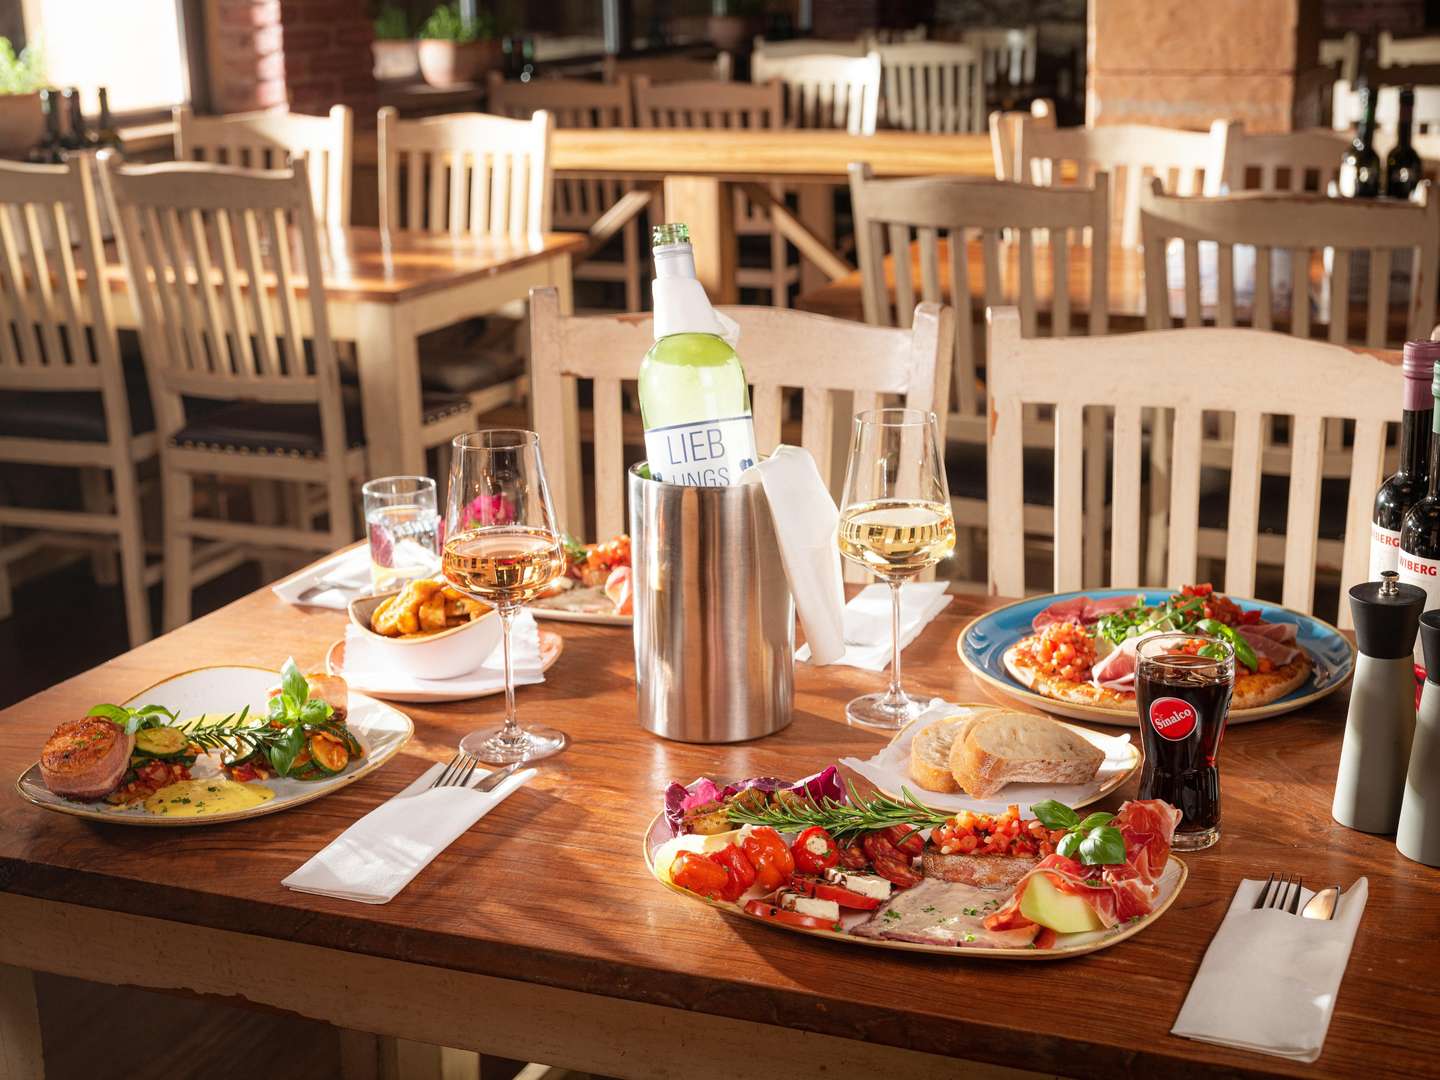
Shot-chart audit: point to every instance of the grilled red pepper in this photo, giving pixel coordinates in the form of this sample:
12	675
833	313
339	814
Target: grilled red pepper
814	851
699	874
738	870
770	856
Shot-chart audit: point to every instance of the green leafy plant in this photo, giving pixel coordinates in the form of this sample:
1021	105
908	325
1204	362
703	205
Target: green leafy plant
447	24
22	74
1091	841
392	24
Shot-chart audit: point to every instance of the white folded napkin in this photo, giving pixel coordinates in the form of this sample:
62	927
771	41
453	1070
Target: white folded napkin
369	668
372	860
349	571
889	770
867	621
1269	979
806	521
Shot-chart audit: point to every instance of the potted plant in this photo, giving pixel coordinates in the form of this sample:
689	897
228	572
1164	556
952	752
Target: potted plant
393	47
454	49
733	22
21	79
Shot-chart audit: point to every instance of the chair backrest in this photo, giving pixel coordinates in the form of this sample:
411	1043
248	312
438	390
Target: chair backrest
836	92
218	318
1345	108
939	219
1005	135
268	140
1407	52
466	173
1130	153
665	69
856	46
1247	373
1344	53
747	106
932	86
1301	226
1288	161
56	332
871	38
1007	54
780	348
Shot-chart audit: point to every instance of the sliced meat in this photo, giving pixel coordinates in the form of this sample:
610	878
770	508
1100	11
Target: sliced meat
982	871
85	759
1117	670
331	689
942	913
1084	609
1274	646
1276	631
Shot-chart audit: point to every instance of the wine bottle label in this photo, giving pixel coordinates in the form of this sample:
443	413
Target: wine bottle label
711	453
1415	570
1384	551
1347	180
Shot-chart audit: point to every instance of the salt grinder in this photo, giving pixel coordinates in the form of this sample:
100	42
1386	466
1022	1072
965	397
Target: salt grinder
1418	836
1381	722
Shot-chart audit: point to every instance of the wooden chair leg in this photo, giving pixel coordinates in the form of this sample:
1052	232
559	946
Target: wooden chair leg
7	598
266	498
340	505
95	496
178	489
630	239
779	265
132	554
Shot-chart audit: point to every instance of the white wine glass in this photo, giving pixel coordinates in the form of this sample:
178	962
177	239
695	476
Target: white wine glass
502	547
895	521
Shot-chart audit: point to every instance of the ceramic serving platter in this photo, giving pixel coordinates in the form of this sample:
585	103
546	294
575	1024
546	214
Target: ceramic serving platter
381	729
983	642
575	606
1172	880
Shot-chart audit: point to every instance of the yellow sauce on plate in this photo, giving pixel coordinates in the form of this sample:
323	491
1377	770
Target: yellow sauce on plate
212	795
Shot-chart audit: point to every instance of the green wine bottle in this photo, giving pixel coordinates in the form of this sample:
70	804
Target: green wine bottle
694	400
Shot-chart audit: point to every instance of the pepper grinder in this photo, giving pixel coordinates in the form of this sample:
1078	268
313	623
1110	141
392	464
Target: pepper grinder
1418	835
1381	723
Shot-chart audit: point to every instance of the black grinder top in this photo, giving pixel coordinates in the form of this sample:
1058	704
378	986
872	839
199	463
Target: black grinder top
1387	616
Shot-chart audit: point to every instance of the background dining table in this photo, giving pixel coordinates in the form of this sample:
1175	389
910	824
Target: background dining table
540	934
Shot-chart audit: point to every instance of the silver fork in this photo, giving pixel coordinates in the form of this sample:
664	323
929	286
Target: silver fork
458	772
1285	897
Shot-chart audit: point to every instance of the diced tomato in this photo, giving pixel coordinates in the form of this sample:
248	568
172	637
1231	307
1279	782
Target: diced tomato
825	890
763	910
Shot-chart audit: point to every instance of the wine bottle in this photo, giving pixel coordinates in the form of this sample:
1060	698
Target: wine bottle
1419	562
75	137
107	135
1403	172
694	400
1406	486
47	150
1360	165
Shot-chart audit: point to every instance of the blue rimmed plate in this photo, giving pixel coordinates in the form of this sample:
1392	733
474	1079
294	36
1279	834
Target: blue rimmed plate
982	647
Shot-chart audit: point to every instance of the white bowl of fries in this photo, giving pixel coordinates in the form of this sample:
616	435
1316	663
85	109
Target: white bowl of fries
428	628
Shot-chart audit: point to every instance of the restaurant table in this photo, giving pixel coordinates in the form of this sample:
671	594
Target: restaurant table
540	934
385	288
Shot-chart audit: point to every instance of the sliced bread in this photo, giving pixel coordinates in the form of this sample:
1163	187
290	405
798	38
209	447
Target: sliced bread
931	747
1008	747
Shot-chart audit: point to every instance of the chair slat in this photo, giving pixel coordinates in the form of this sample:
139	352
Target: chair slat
1299	295
965	374
213	326
414	186
1060	276
185	298
1303	517
67	288
1242	530
1378	307
609	459
904	283
1225	285
291	339
1340	297
246	231
1069	501
1125	501
244	357
818	427
41	287
1184	494
765	404
1367	466
1004	472
1027	282
164	273
1263	317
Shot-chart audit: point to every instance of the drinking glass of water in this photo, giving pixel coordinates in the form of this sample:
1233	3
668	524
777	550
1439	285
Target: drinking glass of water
403	521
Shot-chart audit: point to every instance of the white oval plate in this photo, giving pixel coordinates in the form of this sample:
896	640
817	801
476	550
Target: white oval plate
381	729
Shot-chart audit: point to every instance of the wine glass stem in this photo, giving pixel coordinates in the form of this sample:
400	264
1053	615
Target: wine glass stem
511	732
894	695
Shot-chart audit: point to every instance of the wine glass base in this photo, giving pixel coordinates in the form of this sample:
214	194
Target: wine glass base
492	747
879	712
1198	840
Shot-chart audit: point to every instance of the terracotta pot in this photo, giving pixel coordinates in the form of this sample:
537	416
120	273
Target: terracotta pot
449	63
395	60
21	123
729	32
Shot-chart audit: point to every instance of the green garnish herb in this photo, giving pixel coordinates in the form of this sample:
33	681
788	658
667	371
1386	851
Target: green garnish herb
1091	841
842	819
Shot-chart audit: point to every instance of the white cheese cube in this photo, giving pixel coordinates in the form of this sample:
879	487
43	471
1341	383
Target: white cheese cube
871	885
808	905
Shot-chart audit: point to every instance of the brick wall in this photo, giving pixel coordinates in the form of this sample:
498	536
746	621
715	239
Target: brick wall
309	54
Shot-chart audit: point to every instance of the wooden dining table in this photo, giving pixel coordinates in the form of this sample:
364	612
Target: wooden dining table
384	288
540	934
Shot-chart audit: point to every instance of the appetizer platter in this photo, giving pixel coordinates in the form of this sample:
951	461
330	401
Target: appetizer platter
816	858
214	745
1074	653
984	757
595	587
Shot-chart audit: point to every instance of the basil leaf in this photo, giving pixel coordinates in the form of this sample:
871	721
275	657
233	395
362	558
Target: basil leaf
1095	820
314	712
1068	844
277	709
1055	815
1104	846
293	686
285	749
116	714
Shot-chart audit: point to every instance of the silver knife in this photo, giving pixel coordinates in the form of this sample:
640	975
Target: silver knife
496	778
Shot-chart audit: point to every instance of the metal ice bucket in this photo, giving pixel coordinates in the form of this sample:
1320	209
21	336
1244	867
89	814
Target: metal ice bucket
714	617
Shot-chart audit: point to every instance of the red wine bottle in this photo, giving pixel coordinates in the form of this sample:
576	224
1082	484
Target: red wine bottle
1360	165
1403	170
1406	486
1419	562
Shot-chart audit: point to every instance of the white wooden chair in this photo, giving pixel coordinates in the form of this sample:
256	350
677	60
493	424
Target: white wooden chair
1130	153
731	106
1008	54
1245	373
823	91
1344	54
1395	52
65	399
269	139
1345	111
781	349
1293	161
933	86
1005	135
857	46
196	240
583	205
938	219
667	69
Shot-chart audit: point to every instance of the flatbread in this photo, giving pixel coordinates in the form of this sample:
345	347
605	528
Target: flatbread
1252	689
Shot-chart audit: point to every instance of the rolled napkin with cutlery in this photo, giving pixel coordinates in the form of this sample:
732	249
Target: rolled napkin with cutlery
806	521
867	621
1269	979
370	668
372	860
332	583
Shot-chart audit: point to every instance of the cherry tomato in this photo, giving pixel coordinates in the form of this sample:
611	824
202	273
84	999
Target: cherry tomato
790	918
814	851
696	873
825	890
738	870
771	858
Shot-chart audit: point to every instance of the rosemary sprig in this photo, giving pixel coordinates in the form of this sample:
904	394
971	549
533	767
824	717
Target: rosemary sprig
842	819
236	735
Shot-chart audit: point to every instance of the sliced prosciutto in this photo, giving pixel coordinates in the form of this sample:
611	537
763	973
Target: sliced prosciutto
1274	641
1114	893
1083	609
